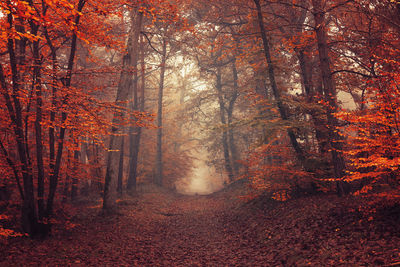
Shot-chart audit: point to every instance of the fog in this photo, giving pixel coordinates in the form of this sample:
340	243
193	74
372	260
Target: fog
203	180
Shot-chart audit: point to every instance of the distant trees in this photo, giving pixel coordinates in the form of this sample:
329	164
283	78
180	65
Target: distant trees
217	55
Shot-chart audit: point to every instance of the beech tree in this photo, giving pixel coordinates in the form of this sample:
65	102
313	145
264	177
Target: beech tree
126	82
372	151
22	24
38	61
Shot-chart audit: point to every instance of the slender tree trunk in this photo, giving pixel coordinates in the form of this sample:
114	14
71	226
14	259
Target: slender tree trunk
262	89
319	123
97	171
11	163
84	160
121	166
329	92
67	84
225	144
28	216
159	165
136	144
321	131
134	131
277	93
133	146
38	126
123	92
232	145
75	181
53	100
66	188
67	178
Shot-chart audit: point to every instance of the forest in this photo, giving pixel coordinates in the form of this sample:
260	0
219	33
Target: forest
199	133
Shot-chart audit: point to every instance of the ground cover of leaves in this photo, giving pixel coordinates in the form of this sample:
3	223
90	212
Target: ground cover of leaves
159	228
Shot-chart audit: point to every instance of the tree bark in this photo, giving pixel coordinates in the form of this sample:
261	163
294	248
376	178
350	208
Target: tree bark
38	126
277	93
231	139
74	180
135	131
159	165
67	84
123	92
321	131
11	163
224	137
29	215
66	191
84	160
121	166
53	101
329	92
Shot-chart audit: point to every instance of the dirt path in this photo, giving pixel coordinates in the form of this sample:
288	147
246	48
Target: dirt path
163	229
196	232
157	230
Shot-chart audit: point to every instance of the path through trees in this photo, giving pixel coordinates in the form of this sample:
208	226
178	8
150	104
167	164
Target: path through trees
165	229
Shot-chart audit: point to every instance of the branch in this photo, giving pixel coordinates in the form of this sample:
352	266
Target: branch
339	5
353	72
13	167
149	41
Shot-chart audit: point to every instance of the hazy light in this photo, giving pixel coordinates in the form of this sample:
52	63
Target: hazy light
203	180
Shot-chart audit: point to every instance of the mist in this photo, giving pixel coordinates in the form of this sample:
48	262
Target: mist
202	180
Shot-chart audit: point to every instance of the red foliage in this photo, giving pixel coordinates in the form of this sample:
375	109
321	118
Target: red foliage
272	169
374	133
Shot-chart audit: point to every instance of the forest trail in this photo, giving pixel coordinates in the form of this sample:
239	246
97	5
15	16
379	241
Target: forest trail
157	229
160	228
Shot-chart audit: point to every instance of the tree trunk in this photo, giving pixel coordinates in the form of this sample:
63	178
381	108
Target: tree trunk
53	101
132	180
329	92
321	131
97	171
225	144
159	165
67	84
121	166
66	191
75	181
66	188
135	131
232	146
125	83
11	163
277	93
38	126
134	142
84	160
28	210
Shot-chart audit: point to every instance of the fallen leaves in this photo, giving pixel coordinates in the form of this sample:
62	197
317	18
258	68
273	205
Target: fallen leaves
161	228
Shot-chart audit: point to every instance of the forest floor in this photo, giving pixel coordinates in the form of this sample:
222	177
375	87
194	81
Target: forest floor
160	228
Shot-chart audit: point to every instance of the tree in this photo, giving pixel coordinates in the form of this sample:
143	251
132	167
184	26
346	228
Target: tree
39	48
135	134
129	64
372	129
15	74
329	92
